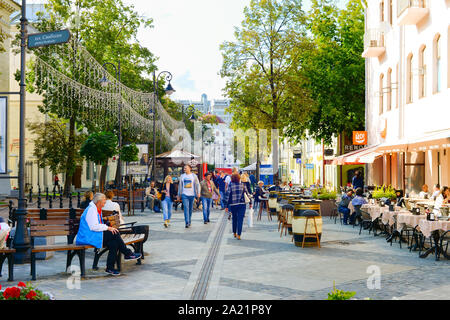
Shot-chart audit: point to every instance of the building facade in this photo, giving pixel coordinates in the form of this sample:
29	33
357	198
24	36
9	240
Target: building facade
407	51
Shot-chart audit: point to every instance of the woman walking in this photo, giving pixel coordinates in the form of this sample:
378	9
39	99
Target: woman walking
168	196
235	200
208	189
188	190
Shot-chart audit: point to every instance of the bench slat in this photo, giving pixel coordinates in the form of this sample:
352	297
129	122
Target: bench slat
6	250
57	248
60	227
36	222
49	233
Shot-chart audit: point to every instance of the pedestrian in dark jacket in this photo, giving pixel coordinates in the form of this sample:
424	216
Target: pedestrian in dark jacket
235	202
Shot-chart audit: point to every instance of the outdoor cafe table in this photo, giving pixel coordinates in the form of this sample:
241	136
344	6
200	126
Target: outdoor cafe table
432	228
408	220
388	217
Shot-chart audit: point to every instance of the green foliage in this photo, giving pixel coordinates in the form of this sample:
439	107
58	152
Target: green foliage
323	194
3	37
384	192
129	153
99	147
332	72
340	294
52	145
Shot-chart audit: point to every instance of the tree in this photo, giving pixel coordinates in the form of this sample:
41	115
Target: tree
108	30
333	71
3	37
51	144
129	153
98	148
266	48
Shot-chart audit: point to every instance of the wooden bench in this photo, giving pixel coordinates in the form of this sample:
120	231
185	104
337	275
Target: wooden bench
7	253
134	236
61	222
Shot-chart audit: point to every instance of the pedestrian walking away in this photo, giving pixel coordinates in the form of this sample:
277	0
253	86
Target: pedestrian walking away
188	190
208	189
236	203
168	197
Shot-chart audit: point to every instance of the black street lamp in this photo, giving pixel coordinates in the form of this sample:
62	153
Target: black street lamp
169	90
104	83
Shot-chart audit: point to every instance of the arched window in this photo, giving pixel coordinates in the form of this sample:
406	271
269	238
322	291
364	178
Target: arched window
409	79
381	94
437	64
389	90
422	72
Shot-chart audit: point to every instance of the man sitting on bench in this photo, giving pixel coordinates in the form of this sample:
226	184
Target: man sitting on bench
93	232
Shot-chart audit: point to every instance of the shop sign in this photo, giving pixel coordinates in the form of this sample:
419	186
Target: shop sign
360	138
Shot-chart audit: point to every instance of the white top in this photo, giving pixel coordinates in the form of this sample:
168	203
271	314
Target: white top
437	205
113	206
5	227
188	185
92	219
435	194
423	194
227	181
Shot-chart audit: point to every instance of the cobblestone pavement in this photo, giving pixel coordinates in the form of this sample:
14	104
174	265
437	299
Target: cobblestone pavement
208	261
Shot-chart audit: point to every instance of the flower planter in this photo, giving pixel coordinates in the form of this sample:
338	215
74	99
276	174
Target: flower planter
326	207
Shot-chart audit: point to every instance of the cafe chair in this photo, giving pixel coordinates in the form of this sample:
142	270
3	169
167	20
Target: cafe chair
409	233
366	221
287	213
443	243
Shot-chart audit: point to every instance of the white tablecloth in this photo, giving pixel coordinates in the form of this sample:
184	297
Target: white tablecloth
427	227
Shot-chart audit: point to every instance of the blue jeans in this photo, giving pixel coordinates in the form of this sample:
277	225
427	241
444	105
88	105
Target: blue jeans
188	204
222	197
206	203
167	208
238	214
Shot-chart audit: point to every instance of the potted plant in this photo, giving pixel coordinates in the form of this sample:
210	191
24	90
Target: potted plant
24	292
328	199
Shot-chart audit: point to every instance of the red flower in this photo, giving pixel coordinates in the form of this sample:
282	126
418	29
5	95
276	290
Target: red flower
21	284
12	292
31	295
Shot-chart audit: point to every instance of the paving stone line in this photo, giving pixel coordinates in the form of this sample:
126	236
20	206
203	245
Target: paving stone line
201	287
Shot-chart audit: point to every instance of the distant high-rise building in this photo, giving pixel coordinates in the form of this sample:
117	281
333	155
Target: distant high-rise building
219	110
204	105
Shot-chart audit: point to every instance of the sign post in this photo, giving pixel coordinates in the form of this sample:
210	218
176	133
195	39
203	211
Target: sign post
44	39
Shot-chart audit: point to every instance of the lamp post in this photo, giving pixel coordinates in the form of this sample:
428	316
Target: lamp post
21	237
105	82
169	90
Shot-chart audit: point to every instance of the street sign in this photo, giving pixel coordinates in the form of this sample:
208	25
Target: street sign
298	161
48	38
310	166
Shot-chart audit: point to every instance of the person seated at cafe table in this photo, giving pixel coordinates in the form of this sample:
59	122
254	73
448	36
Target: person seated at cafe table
343	205
400	199
424	193
443	198
357	202
436	191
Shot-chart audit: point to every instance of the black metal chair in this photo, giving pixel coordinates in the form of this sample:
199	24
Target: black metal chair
366	221
443	243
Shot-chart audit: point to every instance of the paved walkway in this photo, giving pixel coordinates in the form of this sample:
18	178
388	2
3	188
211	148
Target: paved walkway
206	262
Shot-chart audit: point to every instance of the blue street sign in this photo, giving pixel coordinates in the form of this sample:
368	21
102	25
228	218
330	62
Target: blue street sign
310	166
299	161
48	38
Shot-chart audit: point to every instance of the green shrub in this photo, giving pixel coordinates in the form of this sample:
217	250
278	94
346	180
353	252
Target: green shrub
340	294
384	192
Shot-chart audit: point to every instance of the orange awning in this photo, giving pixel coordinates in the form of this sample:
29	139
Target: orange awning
361	156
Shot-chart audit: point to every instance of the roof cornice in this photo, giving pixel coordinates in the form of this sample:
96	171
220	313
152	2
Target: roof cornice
9	5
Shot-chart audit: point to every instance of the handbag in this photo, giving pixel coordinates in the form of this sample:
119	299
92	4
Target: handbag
250	213
246	198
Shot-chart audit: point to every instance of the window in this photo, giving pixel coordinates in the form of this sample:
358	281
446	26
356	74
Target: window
438	64
382	11
390	12
389	90
422	73
397	79
409	79
381	93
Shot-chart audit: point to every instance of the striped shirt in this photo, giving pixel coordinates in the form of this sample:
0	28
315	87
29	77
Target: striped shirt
235	194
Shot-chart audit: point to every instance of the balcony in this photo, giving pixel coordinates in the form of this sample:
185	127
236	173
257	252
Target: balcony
411	12
373	44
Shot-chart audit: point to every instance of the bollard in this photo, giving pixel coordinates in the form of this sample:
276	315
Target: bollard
61	200
79	199
30	198
46	193
39	202
50	203
70	201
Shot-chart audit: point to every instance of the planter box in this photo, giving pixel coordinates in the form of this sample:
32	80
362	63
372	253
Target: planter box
326	207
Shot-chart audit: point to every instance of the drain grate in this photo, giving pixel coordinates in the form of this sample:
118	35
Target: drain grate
202	284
